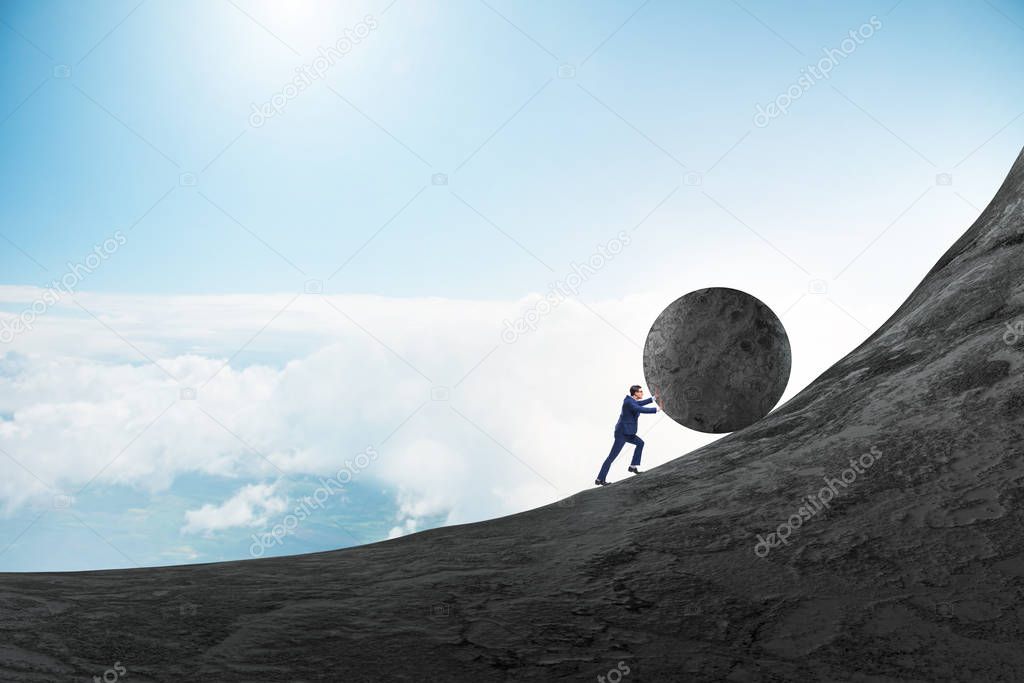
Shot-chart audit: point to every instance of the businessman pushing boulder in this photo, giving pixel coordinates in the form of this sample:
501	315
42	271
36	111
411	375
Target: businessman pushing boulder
625	432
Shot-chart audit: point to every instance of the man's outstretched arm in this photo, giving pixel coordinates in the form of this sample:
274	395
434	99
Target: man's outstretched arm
639	405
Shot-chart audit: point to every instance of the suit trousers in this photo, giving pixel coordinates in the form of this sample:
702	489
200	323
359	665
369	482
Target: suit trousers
620	441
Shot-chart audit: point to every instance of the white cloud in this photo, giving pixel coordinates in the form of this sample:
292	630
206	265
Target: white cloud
251	506
182	552
522	425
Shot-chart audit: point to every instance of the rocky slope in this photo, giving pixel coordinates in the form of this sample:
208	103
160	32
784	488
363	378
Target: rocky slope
913	571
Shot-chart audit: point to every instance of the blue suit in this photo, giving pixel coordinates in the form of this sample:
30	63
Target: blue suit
625	432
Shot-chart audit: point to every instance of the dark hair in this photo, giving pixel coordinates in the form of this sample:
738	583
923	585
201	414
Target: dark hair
633	389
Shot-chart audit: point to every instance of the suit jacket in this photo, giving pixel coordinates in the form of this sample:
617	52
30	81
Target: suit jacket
631	408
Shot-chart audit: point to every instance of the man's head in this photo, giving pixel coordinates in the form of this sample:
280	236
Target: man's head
636	392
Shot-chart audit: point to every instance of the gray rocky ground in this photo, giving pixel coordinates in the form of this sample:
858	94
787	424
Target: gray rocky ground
915	571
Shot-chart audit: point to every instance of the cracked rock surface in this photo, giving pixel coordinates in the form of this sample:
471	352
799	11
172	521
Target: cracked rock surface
718	358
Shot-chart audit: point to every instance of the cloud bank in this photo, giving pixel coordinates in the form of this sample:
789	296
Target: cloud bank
140	390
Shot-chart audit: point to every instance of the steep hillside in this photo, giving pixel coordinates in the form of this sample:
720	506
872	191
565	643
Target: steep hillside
914	570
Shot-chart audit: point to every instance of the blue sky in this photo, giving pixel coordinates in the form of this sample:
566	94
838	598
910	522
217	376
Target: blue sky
325	291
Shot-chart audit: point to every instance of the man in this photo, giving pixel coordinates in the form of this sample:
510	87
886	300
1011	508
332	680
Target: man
625	432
